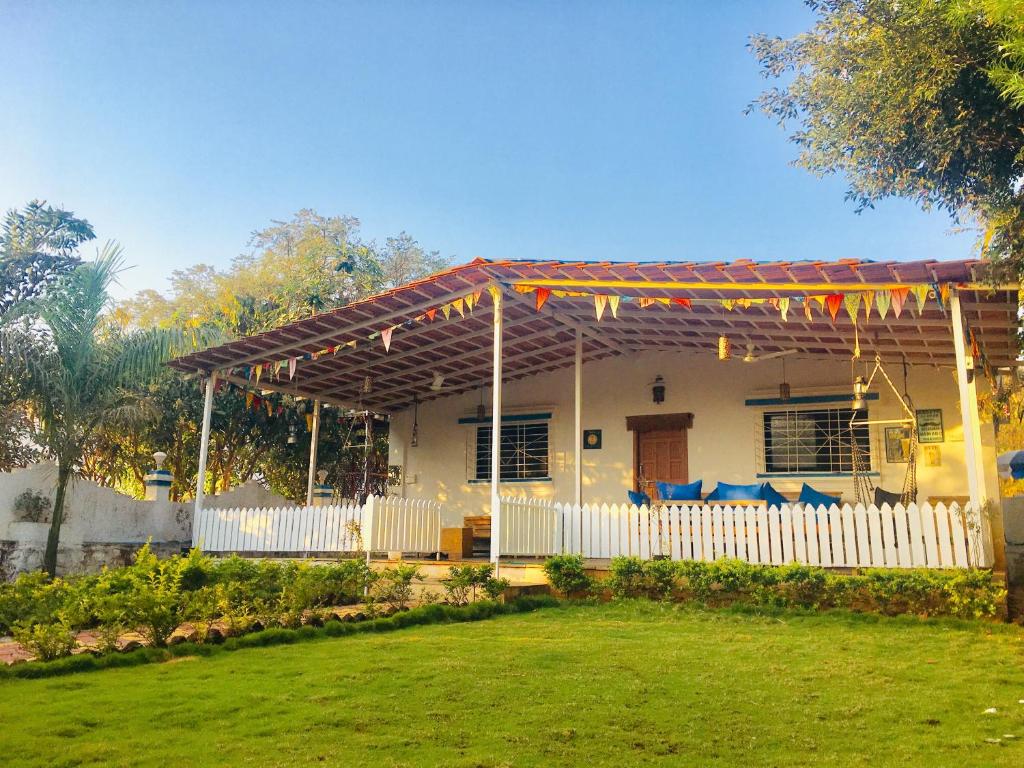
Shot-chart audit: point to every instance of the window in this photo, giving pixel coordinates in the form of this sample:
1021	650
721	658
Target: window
797	442
524	452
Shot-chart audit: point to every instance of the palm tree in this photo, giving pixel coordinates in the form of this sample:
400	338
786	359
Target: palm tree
77	371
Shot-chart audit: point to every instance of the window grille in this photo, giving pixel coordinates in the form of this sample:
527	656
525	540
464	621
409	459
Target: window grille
524	452
802	441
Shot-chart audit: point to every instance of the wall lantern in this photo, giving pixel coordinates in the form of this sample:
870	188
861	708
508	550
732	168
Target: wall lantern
658	389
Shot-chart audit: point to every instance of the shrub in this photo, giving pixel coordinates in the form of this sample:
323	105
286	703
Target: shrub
31	596
46	640
394	586
155	601
567	575
463	581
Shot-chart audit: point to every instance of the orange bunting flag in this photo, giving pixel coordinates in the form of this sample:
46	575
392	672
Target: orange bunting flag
259	372
542	296
882	300
524	288
431	314
869	300
600	302
613	302
683	303
921	294
852	302
385	336
458	307
644	302
899	297
309	422
248	399
833	301
944	294
270	408
784	307
291	367
774	302
975	350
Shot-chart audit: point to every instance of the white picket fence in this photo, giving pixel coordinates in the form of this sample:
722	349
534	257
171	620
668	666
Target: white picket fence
847	536
380	525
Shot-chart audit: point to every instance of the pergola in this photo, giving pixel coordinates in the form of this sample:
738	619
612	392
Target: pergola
487	322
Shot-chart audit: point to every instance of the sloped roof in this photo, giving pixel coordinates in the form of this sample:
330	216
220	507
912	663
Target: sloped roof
537	341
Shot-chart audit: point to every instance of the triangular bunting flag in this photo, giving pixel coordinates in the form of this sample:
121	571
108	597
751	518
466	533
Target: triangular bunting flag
524	288
469	301
784	307
613	302
807	310
882	300
495	292
852	302
774	302
644	302
542	296
600	302
666	302
385	336
729	304
458	304
292	363
270	408
821	301
869	301
899	297
248	399
309	422
431	314
833	301
446	310
921	294
683	303
259	372
944	294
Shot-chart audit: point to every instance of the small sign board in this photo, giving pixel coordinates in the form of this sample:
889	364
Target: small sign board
897	445
591	438
929	426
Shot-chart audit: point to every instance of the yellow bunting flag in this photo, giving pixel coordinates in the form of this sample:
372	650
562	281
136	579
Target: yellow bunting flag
882	300
869	300
784	307
852	302
446	310
458	304
729	304
921	294
600	302
666	302
259	372
385	336
524	288
832	302
469	301
807	308
495	292
542	296
899	297
821	301
277	367
309	422
613	302
248	399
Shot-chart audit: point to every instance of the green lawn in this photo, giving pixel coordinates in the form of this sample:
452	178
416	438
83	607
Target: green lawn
615	685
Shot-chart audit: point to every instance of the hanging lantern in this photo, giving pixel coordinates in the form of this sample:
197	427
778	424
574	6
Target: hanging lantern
784	392
293	434
658	389
724	347
481	412
367	385
860	389
414	440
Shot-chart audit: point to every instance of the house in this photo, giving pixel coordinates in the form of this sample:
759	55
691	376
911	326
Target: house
608	377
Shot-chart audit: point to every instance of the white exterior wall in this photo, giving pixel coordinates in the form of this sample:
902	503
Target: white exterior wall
721	445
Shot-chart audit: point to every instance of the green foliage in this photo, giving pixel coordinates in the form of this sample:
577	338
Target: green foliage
633	577
393	586
920	100
462	582
568	575
46	640
31	506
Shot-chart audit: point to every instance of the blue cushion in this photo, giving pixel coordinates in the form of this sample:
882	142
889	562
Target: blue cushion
816	498
730	492
773	497
638	498
679	492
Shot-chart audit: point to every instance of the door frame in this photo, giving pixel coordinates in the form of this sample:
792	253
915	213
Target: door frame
658	422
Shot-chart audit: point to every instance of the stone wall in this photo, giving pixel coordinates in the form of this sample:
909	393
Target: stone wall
102	526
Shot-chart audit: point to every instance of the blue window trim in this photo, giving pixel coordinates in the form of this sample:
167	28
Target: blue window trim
475	481
510	417
798	475
806	399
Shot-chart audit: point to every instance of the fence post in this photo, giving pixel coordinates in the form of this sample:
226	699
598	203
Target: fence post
366	524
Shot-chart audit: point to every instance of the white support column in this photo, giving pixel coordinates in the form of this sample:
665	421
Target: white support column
968	407
314	439
496	432
577	445
204	443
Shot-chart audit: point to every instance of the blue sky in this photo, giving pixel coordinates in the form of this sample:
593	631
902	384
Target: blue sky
578	130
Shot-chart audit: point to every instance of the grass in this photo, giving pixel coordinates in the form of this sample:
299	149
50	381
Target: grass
612	685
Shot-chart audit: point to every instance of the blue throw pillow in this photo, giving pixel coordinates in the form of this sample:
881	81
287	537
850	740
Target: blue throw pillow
679	492
816	498
638	498
729	492
773	497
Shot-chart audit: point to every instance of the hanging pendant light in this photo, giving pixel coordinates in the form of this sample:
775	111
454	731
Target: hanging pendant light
784	393
481	412
367	385
293	434
724	347
415	439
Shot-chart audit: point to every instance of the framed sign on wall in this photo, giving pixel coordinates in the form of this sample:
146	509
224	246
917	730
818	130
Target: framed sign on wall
897	445
929	426
592	438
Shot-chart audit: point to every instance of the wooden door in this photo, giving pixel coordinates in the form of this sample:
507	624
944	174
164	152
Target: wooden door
661	457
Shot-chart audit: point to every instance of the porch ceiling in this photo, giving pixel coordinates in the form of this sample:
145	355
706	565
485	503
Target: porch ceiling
539	341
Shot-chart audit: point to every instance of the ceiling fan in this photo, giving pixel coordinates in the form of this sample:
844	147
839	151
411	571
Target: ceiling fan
750	357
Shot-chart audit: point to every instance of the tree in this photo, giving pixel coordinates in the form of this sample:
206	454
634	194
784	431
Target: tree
910	99
81	372
37	245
